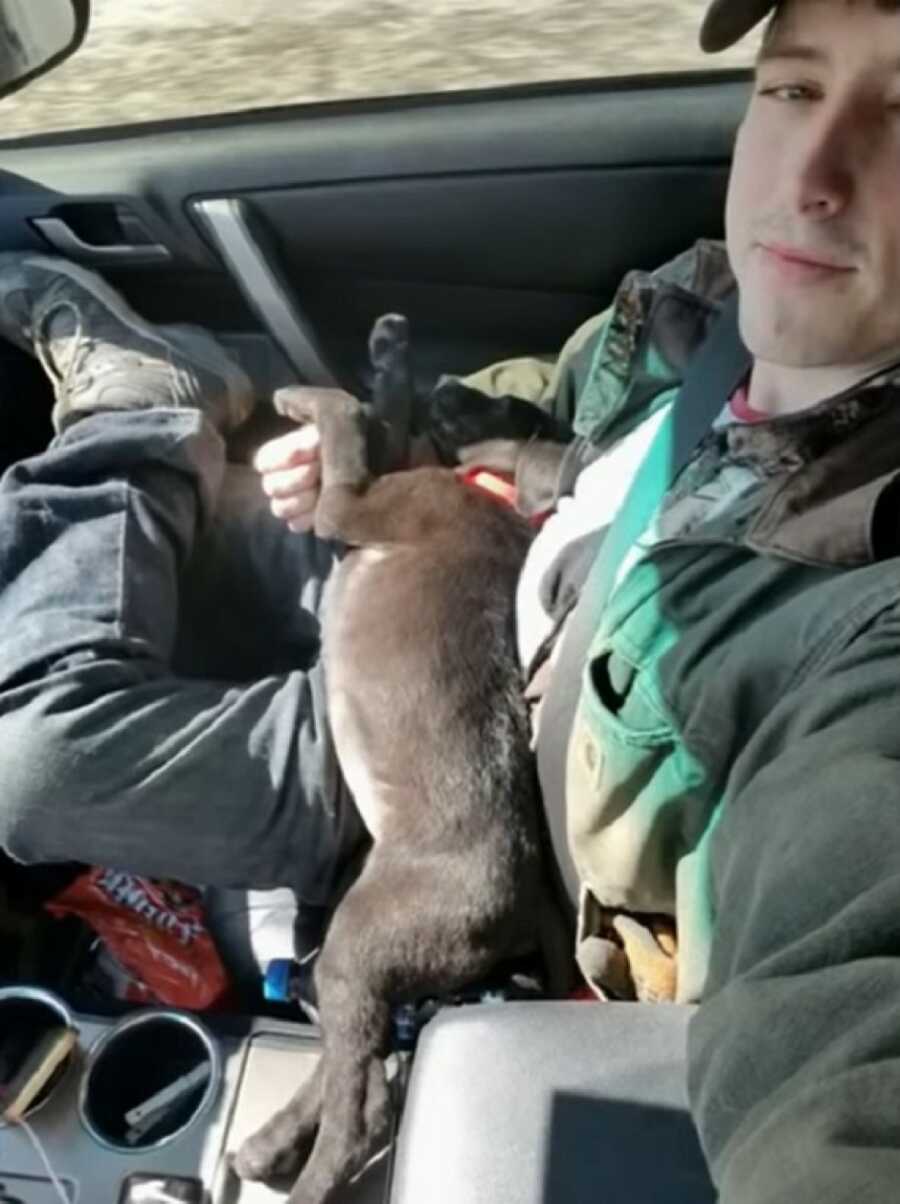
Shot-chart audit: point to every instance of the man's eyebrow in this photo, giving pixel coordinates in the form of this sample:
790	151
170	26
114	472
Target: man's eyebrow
791	50
802	53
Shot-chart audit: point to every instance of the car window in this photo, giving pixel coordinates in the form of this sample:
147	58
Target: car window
184	58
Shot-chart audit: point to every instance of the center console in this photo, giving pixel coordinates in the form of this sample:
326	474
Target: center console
145	1109
521	1103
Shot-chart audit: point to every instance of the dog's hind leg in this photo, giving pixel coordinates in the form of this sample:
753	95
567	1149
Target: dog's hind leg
356	1123
355	1016
381	950
280	1148
342	1113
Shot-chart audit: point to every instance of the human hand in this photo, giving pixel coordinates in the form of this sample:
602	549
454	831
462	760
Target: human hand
290	467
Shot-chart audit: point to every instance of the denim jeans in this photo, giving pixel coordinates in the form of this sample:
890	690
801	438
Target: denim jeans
162	703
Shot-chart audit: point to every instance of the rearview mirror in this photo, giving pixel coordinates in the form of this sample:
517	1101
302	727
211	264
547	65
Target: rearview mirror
35	35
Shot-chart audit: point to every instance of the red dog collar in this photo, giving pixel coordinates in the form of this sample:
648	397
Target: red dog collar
500	486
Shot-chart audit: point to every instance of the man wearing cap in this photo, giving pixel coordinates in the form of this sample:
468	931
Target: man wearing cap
724	725
718	735
729	713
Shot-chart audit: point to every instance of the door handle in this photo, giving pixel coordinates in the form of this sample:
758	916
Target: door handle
63	237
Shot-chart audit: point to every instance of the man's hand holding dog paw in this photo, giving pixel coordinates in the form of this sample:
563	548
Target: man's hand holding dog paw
291	475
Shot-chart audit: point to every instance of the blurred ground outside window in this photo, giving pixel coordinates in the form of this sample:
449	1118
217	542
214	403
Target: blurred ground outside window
150	61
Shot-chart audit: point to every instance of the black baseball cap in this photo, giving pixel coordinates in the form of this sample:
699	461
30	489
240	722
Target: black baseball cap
727	21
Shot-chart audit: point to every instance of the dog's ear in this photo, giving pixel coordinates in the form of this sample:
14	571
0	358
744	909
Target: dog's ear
393	396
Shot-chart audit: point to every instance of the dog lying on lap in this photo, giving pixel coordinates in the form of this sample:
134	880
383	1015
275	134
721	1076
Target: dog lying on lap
432	733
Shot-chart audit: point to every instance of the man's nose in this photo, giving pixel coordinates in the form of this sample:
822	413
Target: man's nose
826	164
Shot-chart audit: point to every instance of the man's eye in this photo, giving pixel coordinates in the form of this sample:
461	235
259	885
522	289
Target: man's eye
789	92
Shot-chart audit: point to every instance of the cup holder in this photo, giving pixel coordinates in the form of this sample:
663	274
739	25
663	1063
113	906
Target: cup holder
27	1016
147	1080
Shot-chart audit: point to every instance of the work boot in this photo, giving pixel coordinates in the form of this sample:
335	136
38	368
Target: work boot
100	355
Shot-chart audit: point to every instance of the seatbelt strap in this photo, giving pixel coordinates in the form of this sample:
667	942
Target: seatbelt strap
714	373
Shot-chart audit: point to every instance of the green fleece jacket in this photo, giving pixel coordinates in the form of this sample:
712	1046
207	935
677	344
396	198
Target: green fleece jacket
738	641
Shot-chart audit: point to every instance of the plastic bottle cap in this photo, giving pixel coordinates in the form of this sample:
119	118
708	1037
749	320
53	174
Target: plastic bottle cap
277	980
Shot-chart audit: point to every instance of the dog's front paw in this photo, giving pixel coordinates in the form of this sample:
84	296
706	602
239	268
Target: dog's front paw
311	403
298	402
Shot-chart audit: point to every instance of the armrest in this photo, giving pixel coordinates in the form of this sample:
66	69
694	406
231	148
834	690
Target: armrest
551	1103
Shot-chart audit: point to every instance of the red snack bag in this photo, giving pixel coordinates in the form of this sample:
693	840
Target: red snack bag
155	930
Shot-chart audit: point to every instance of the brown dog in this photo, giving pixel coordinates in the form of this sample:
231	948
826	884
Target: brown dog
432	735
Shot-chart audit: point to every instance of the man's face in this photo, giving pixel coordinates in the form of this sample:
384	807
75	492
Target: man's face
813	213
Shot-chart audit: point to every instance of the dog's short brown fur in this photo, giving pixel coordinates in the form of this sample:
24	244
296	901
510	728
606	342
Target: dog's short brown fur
432	735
